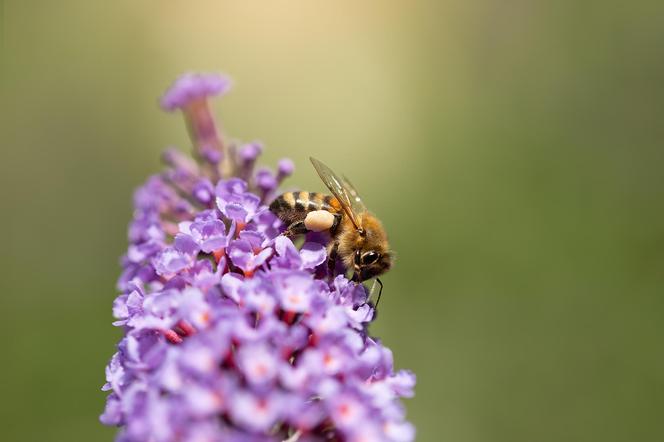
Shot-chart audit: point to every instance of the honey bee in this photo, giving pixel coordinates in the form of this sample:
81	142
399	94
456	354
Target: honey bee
356	236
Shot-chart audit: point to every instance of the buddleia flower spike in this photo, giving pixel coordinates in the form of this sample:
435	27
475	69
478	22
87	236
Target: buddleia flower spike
230	331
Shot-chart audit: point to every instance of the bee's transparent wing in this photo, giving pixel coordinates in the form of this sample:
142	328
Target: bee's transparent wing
355	201
338	188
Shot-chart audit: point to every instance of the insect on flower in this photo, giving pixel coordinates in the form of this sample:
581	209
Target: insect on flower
356	236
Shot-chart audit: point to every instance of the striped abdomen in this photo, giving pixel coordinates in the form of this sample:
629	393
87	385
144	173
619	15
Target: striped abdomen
294	206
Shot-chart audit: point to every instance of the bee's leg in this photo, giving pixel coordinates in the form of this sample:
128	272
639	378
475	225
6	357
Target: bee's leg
380	292
335	225
332	259
295	228
333	247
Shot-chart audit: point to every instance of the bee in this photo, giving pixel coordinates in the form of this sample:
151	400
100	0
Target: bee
356	236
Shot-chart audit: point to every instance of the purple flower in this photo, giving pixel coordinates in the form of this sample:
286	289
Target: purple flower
285	168
242	254
247	156
207	233
347	411
190	94
309	256
203	191
294	290
265	180
256	412
258	363
171	260
231	332
112	414
250	152
191	86
235	202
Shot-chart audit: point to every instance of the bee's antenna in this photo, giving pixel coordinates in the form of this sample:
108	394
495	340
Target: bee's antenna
380	291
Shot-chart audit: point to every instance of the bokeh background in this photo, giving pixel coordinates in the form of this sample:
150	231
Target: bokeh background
513	148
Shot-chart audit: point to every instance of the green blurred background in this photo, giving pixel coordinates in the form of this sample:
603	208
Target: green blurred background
512	148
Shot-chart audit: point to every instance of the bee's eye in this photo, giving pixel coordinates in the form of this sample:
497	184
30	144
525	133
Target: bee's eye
369	258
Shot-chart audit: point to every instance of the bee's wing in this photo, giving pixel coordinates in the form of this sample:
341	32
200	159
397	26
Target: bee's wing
339	189
355	200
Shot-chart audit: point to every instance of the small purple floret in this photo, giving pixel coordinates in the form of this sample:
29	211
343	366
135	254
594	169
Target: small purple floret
250	152
192	86
285	168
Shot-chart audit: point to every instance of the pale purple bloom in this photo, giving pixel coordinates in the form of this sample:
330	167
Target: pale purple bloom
347	411
309	256
258	240
247	155
207	233
403	383
242	255
285	168
256	412
250	152
294	290
203	191
201	359
115	374
112	414
203	401
399	431
191	86
235	202
265	180
171	260
209	152
231	332
258	363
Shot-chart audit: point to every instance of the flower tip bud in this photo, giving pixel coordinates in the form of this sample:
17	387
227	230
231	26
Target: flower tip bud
249	152
193	86
265	180
210	154
285	168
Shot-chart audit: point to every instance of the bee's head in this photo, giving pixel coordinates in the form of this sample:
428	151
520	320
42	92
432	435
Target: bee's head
365	249
371	263
371	256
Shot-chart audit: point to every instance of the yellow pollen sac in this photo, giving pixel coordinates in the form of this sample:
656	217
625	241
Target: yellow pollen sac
318	220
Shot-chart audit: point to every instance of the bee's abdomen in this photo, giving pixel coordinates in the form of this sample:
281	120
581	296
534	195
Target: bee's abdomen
292	206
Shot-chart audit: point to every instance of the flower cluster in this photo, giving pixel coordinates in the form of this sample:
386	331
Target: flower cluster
231	332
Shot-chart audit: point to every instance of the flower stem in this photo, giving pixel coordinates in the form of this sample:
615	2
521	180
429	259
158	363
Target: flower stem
208	144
